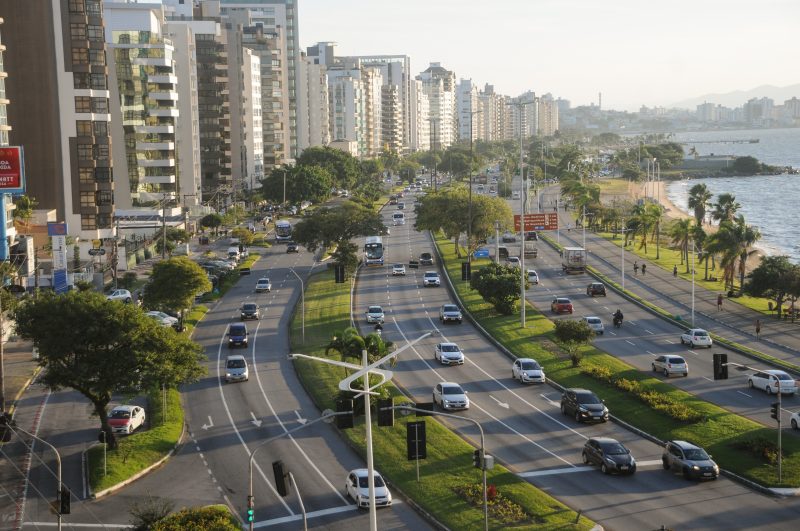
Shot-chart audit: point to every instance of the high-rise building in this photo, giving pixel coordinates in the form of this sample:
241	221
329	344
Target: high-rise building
313	128
439	85
7	205
420	118
548	115
392	125
60	110
468	110
254	136
347	108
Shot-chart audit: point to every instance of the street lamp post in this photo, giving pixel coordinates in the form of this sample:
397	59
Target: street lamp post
469	208
58	465
694	250
303	302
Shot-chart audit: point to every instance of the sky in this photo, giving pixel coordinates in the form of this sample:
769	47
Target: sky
636	52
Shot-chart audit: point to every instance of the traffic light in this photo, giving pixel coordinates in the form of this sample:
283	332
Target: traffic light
720	366
251	513
466	271
344	422
476	459
339	273
775	411
385	416
280	478
63	500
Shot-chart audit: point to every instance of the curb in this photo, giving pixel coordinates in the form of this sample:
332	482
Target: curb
13	407
125	483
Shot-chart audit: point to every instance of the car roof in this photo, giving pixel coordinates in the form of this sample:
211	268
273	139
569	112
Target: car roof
238	325
447	343
235	357
562	299
525	359
579	390
697	330
363	472
376	306
597	284
265	279
449	383
431	273
123	408
605	440
591	317
684	444
775	371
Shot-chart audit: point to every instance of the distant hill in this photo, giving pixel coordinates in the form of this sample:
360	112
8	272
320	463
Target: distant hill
738	97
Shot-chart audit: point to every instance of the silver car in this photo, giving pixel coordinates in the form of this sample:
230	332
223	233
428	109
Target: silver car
771	380
431	278
696	337
449	395
236	369
595	324
448	354
375	315
670	365
527	370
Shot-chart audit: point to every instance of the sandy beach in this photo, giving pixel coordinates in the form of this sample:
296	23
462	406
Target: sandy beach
658	191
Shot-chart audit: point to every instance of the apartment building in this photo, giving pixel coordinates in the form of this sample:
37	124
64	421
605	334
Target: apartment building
439	85
392	123
419	128
253	163
313	128
548	115
8	232
468	110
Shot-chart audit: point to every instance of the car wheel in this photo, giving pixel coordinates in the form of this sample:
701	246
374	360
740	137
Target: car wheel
601	332
666	373
769	390
128	300
665	463
577	416
604	468
653	365
691	344
685	374
433	399
682	343
750	384
585	458
686	473
794	424
563	409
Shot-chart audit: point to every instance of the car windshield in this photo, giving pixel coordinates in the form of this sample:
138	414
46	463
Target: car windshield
593	320
696	454
249	307
449	348
587	398
614	448
120	414
375	309
562	301
235	364
425	256
431	275
238	330
530	366
452	390
784	376
362	481
450	308
263	281
700	333
399	266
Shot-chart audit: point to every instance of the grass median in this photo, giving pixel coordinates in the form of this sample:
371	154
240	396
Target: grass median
738	444
138	451
448	466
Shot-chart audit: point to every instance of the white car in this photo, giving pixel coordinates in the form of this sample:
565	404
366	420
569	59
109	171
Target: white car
533	276
448	354
236	369
450	395
357	487
262	285
163	318
769	381
398	270
125	419
696	337
513	261
122	295
595	324
527	370
795	420
431	278
669	364
375	315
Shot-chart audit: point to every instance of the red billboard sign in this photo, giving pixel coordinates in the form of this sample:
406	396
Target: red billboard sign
545	221
12	170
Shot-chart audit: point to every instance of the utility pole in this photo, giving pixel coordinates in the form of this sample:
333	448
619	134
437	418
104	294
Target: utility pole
469	210
164	228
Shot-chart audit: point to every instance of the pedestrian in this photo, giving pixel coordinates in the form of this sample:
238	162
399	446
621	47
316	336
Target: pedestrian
675	271
635	267
644	269
719	302
758	328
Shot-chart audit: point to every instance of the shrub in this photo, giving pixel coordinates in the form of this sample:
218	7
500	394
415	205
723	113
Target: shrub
501	508
759	447
214	517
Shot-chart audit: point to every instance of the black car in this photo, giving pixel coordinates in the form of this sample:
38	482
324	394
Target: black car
426	259
610	454
292	247
237	335
596	288
250	311
584	405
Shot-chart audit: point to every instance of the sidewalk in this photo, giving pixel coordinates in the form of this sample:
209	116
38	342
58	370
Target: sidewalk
780	339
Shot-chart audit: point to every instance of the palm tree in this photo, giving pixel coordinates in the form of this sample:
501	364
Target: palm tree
699	200
681	233
746	236
656	213
725	208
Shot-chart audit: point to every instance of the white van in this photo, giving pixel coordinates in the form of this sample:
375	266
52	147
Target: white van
399	218
233	253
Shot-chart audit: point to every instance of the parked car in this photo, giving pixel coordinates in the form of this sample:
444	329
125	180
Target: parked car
121	295
237	335
401	205
375	315
236	369
533	276
448	354
250	310
398	270
357	488
126	419
584	405
292	247
263	285
595	324
772	379
450	312
670	365
449	395
527	370
610	454
689	459
561	305
431	278
426	259
162	318
596	288
696	337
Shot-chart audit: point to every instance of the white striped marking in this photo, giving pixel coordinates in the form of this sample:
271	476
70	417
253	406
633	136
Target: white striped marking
630	342
745	394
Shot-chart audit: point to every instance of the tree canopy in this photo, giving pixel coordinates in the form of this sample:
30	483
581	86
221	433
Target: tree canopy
104	348
329	226
499	286
307	182
174	284
775	278
342	167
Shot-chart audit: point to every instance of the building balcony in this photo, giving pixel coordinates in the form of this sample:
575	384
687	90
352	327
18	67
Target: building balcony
155	146
152	61
156	163
155	129
163	78
174	113
167	95
157	179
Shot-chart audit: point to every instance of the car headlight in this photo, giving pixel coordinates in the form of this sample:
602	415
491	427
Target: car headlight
228	375
695	467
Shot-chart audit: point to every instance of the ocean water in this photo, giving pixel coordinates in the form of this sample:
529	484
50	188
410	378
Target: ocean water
779	147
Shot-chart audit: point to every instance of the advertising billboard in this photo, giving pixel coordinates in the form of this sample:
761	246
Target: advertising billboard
12	170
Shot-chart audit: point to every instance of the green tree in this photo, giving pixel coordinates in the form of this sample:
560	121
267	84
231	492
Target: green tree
571	335
342	167
773	279
725	208
746	165
213	517
244	235
499	286
329	226
699	201
681	234
104	348
211	221
303	183
173	285
25	205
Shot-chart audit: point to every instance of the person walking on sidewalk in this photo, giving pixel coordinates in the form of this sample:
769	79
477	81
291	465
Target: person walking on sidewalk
644	269
758	328
635	267
675	271
719	302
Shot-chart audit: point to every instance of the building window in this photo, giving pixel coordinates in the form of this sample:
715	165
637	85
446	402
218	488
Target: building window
87	200
80	56
81	80
85	152
95	33
83	104
101	152
94	8
76	6
84	127
104	221
77	31
100	105
100	129
102	175
105	198
99	82
86	176
89	222
97	57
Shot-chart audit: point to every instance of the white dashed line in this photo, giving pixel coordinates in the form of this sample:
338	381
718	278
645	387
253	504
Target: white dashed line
648	331
630	342
745	394
707	378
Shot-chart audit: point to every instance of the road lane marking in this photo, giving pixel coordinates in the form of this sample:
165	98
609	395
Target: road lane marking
670	342
499	403
300	419
572	470
693	352
630	342
649	332
649	352
707	378
745	394
209	425
313	514
256	422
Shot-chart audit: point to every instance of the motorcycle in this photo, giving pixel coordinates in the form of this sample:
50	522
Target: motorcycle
617	322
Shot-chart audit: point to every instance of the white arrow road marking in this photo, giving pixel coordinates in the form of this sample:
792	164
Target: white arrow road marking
209	425
501	404
300	419
255	420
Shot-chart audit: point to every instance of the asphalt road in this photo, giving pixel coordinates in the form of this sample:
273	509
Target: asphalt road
523	424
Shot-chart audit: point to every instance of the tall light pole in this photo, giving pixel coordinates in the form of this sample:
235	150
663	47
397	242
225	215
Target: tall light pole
303	302
13	427
693	253
469	208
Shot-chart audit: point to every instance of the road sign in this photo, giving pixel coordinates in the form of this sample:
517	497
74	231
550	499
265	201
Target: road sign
481	253
544	221
97	252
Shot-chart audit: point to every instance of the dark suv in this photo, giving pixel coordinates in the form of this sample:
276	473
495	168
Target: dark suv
584	405
292	247
596	288
426	259
237	335
692	461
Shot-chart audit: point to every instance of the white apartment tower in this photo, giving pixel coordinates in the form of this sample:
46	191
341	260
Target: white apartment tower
548	115
420	139
313	128
468	110
439	85
253	135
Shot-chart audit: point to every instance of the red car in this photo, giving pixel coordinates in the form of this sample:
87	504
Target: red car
561	305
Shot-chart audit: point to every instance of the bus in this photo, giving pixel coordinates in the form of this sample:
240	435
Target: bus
283	231
373	250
